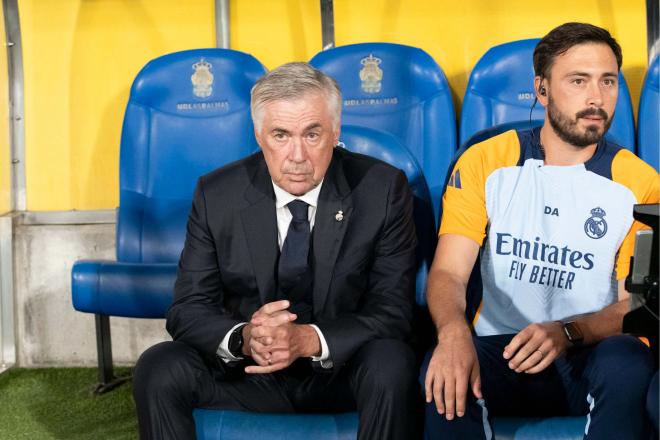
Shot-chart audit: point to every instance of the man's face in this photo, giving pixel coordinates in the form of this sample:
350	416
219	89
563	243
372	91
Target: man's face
297	138
581	93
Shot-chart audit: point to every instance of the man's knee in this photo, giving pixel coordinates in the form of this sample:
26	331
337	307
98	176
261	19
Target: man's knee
622	363
387	365
167	368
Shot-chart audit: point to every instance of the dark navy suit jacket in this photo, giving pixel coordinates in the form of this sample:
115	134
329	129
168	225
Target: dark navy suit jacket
364	264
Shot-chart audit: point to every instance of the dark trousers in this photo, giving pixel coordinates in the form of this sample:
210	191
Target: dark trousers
652	405
171	379
608	382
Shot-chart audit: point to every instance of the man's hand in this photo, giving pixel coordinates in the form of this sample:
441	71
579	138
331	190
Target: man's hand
280	345
536	347
453	365
274	342
272	314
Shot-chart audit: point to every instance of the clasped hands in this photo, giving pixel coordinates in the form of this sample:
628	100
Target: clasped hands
273	340
454	364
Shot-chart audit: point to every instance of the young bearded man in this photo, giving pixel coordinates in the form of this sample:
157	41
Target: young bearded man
549	213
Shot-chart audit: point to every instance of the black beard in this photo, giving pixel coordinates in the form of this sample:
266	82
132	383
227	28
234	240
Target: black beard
567	129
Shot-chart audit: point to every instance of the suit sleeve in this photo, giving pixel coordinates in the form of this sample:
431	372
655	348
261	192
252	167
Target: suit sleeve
197	316
386	311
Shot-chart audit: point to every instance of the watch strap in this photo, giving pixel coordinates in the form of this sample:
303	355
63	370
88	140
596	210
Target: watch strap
573	333
236	341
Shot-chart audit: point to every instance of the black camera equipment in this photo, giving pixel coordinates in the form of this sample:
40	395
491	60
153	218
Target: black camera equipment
642	281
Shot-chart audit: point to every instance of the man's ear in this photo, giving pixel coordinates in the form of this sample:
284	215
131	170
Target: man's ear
541	89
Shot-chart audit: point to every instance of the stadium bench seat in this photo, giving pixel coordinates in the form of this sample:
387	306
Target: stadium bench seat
188	113
400	90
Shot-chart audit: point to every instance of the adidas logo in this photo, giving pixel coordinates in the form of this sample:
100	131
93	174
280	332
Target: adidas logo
455	180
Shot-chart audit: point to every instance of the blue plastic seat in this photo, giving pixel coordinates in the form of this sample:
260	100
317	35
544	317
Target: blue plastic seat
386	147
533	428
493	131
400	90
501	90
648	119
236	425
188	113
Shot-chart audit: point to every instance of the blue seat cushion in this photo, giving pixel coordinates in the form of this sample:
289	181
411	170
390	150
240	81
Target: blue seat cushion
236	425
553	428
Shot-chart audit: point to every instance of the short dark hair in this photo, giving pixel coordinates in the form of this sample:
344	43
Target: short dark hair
563	37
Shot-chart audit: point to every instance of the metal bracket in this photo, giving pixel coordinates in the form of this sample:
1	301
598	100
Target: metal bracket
327	24
652	28
222	24
16	102
107	379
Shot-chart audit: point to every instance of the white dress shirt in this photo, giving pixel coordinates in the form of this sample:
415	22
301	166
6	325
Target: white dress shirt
282	199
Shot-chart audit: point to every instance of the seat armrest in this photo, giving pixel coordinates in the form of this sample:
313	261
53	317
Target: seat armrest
134	290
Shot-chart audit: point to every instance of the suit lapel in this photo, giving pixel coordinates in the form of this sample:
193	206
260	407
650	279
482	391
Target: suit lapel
329	229
260	227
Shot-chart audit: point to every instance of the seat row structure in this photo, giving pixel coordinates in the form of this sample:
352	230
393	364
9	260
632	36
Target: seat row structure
189	113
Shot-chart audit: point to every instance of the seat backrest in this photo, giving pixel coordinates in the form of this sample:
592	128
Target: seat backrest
493	131
648	118
501	90
400	90
388	148
188	113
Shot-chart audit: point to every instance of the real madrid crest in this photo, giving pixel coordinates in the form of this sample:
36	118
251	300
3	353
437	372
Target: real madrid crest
202	79
371	75
596	227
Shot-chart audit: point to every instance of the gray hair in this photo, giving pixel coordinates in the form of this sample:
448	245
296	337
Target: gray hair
293	81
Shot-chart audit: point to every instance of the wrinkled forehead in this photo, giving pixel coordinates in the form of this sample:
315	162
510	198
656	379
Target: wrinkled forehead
299	114
311	96
316	104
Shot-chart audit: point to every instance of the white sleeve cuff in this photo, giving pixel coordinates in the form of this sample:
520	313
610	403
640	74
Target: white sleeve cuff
324	359
223	349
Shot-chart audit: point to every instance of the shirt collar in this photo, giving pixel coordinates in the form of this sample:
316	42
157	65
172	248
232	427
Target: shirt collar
283	198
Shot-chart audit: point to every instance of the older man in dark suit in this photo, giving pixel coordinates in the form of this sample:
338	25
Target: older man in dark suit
295	288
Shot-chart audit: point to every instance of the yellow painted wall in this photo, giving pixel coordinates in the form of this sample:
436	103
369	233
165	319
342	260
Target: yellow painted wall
455	33
80	57
5	165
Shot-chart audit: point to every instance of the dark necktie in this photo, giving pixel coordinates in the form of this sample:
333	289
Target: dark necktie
294	274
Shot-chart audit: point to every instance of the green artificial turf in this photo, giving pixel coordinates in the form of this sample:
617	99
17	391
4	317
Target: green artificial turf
57	403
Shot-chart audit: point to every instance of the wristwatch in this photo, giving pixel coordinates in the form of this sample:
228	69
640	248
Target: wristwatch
573	333
236	341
